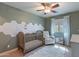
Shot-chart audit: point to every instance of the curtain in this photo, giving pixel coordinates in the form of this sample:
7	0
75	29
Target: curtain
52	26
66	29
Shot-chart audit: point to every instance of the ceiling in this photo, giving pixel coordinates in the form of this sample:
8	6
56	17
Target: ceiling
65	7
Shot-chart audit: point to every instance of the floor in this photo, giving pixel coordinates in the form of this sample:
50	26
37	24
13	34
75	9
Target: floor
16	53
75	49
49	51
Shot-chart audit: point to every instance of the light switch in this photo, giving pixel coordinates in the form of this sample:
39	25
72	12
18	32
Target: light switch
8	46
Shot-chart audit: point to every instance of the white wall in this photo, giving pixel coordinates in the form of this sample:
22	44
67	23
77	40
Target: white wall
75	38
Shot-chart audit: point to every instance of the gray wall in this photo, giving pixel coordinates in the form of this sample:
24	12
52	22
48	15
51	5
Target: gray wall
7	14
74	22
47	24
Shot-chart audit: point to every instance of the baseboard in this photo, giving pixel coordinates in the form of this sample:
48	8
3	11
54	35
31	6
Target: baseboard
6	52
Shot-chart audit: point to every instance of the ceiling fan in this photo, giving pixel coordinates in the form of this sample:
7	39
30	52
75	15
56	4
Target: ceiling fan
48	7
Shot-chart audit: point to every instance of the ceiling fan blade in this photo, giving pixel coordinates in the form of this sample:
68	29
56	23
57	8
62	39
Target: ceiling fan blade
38	10
46	4
54	6
43	4
53	11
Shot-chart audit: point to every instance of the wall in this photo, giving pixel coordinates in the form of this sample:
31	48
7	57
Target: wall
75	23
8	14
47	24
75	27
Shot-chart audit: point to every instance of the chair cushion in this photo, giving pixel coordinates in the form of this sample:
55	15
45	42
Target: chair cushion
49	41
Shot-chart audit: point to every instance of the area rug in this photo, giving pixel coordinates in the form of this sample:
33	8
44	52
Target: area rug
50	51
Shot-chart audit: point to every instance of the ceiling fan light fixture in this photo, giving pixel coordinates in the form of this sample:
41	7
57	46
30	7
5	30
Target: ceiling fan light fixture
47	11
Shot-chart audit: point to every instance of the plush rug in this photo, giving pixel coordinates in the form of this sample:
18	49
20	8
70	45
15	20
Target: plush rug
50	51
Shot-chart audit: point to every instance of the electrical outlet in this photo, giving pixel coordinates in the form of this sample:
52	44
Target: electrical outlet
8	46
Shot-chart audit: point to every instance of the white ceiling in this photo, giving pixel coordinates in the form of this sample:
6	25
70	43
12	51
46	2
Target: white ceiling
65	7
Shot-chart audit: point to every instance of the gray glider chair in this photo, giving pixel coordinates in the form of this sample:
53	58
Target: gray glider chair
59	37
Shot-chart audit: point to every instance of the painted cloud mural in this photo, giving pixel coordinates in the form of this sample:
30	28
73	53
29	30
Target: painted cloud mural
13	28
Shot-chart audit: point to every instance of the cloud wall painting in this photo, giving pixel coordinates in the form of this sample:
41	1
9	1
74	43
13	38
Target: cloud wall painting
13	28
